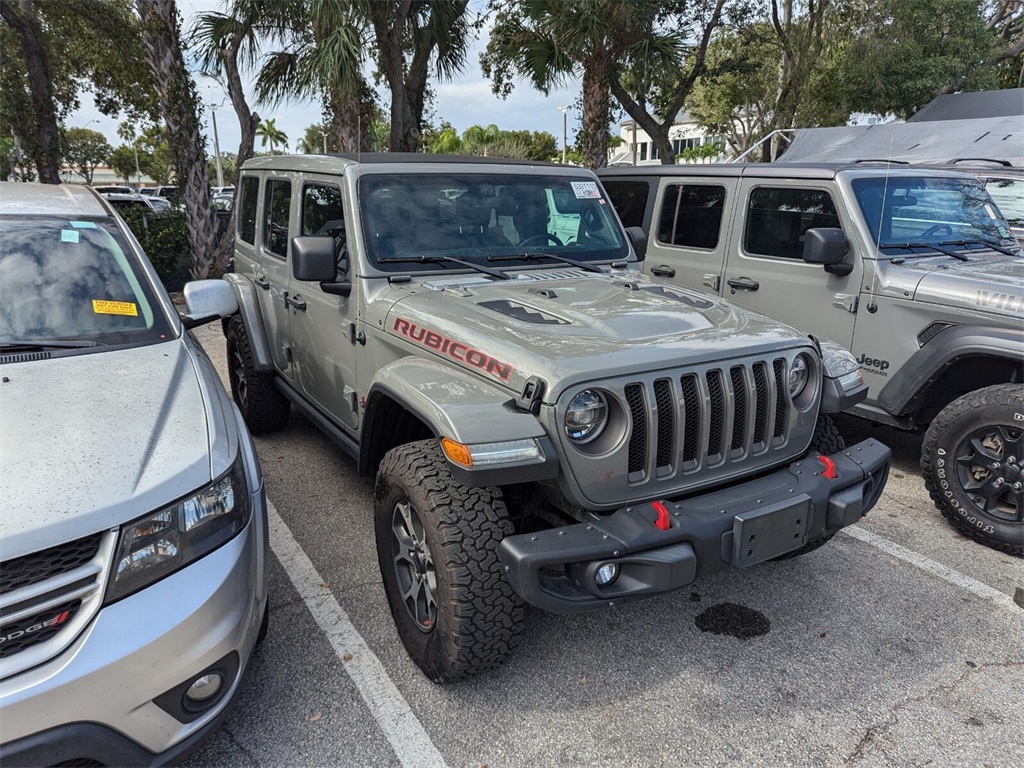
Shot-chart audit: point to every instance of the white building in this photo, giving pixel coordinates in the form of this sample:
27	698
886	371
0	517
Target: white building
638	149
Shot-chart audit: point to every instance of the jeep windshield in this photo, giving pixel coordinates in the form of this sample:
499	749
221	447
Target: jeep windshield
475	217
929	214
72	285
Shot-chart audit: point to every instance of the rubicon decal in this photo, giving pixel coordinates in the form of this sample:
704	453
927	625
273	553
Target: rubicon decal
454	349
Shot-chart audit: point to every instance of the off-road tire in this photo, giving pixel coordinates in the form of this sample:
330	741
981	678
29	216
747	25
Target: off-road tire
477	618
826	440
986	424
263	406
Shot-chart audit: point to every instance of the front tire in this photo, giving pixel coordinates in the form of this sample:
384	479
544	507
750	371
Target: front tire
263	407
971	458
437	545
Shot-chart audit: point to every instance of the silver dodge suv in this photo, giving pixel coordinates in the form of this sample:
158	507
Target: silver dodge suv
133	533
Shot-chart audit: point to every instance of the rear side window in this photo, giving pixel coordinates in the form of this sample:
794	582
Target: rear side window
629	199
691	215
278	202
247	209
777	219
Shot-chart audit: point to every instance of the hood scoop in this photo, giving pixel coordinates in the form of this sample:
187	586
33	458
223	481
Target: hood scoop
666	293
522	312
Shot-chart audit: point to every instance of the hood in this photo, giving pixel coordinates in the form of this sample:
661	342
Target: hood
578	328
995	286
88	442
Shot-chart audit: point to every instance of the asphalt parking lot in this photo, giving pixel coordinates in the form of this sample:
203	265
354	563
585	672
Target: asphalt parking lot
899	644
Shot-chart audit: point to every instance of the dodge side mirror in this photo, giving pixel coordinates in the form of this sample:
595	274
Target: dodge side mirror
827	246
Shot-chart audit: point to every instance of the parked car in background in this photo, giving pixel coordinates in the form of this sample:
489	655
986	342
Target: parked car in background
115	190
222	201
133	201
134	544
222	191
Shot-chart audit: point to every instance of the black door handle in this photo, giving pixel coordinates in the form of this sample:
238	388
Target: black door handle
742	284
295	302
663	271
262	282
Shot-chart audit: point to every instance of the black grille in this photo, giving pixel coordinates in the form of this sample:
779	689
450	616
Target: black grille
931	332
781	387
739	411
761	393
22	634
691	410
716	391
47	563
638	437
666	422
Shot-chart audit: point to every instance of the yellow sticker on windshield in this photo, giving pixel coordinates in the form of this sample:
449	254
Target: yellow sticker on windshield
115	308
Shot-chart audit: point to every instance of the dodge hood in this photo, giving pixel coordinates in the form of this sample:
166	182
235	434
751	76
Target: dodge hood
577	328
89	442
995	286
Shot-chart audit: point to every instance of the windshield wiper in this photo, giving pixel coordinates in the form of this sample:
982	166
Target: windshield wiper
534	255
436	259
933	246
981	241
35	346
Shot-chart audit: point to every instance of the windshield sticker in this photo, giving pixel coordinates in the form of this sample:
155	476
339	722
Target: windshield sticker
454	349
127	308
68	236
585	190
83	224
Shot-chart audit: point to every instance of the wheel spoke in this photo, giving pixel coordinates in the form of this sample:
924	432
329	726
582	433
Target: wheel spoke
414	566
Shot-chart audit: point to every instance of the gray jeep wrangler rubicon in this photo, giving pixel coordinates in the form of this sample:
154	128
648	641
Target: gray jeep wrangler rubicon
914	270
546	426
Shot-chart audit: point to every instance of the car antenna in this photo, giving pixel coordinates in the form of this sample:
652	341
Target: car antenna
872	307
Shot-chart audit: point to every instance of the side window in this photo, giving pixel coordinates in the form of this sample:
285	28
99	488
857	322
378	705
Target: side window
777	219
629	199
324	216
691	215
278	199
247	209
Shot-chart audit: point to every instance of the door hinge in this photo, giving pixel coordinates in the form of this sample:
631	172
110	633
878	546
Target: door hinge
711	281
353	398
288	354
846	301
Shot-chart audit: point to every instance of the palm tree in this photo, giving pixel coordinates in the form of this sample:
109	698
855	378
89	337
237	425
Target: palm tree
478	137
447	143
268	132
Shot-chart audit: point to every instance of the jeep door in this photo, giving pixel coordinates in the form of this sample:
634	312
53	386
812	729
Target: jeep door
322	324
765	269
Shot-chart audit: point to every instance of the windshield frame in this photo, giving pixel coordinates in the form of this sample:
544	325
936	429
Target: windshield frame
141	278
371	181
877	203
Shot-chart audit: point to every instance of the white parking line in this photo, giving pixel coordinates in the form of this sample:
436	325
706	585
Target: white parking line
389	708
936	569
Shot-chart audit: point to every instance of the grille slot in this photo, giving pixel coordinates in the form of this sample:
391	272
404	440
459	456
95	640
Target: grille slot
716	391
739	412
761	405
779	366
666	423
638	436
36	629
691	420
47	563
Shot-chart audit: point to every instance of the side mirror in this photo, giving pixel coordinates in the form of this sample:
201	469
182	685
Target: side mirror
208	300
639	241
313	259
827	246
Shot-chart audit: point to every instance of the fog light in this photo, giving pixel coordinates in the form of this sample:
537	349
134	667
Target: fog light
205	687
606	574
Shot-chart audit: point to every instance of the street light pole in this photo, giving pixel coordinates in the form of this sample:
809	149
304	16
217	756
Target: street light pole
138	173
565	120
216	144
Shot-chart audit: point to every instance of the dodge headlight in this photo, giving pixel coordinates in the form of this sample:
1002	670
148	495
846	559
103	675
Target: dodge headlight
164	541
586	416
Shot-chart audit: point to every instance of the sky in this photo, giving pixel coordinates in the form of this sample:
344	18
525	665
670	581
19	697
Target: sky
466	100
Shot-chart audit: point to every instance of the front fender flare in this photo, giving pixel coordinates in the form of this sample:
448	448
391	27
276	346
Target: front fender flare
901	393
252	317
459	406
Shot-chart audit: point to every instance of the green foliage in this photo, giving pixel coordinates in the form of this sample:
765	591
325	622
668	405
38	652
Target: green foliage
269	133
122	161
316	139
164	238
228	166
82	149
155	158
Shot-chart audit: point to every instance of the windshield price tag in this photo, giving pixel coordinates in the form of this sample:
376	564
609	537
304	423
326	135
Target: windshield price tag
585	190
68	236
127	308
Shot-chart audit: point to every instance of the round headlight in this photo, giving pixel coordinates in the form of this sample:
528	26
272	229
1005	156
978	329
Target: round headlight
586	416
798	376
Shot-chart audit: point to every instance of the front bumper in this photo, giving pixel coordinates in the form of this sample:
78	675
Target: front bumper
105	698
739	526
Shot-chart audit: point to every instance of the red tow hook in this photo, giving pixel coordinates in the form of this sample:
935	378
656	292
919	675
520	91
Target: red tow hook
830	472
663	522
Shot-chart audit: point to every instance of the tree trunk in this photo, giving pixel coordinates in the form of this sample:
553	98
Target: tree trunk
43	144
346	119
594	143
179	105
